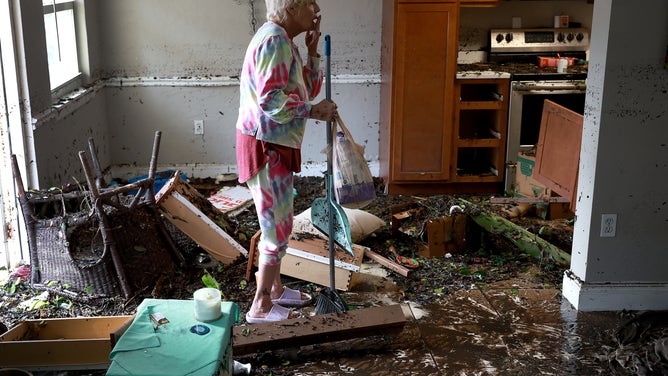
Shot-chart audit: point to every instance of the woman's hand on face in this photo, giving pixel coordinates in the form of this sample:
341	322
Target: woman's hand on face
324	110
313	37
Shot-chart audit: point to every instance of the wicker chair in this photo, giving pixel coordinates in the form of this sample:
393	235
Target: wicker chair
63	233
117	243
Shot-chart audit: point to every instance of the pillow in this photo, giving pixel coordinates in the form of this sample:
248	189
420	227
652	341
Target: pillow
362	224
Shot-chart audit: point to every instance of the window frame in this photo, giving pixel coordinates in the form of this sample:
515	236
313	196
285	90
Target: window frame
76	80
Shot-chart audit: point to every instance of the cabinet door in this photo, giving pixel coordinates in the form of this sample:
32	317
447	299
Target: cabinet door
425	63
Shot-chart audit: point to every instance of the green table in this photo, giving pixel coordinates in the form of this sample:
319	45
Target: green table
182	346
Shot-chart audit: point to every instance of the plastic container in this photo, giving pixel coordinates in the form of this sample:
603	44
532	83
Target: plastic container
207	304
561	21
562	65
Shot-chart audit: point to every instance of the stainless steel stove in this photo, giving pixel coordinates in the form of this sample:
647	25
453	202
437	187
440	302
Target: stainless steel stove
503	41
531	84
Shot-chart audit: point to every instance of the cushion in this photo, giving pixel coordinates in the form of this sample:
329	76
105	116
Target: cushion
362	224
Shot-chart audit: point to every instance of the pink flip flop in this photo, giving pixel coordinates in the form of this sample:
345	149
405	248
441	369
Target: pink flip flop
292	298
277	313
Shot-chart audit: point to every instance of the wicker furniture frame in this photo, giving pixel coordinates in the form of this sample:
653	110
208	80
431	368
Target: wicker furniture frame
116	243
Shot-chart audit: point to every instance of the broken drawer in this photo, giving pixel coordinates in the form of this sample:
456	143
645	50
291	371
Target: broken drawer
62	344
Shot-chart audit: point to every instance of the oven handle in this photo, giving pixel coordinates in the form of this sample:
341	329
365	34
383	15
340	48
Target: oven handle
569	87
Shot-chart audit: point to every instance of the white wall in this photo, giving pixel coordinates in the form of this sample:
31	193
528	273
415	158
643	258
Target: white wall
624	163
170	62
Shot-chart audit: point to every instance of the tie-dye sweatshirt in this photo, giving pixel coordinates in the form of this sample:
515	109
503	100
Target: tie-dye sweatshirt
275	88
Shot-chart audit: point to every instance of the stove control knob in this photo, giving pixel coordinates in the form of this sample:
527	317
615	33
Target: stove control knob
499	38
579	37
560	37
570	37
509	37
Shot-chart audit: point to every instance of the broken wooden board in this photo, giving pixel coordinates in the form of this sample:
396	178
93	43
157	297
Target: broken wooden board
558	150
397	268
528	200
308	260
61	344
446	235
555	207
386	320
188	210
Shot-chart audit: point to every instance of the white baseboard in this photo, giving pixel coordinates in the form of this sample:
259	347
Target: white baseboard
614	296
211	170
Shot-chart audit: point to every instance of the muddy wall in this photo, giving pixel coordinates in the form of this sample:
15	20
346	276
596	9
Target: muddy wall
165	63
624	163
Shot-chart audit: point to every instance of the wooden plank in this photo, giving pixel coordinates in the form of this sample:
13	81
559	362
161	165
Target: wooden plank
66	343
461	220
315	267
115	335
16	333
61	353
439	234
529	200
318	272
404	271
558	150
68	328
386	320
188	210
184	215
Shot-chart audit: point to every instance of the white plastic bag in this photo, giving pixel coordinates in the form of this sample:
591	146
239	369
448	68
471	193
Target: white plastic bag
353	182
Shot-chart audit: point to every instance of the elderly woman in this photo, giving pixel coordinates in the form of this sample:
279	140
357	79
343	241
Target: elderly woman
275	93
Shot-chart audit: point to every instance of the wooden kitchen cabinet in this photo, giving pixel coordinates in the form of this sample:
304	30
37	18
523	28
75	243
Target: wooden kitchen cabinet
418	68
481	122
479	3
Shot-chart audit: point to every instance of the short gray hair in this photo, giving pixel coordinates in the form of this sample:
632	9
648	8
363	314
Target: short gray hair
277	9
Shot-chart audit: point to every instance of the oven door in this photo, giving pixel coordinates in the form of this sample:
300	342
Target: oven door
526	111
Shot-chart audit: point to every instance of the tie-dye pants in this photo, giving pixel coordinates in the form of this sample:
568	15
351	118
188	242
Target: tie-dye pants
272	190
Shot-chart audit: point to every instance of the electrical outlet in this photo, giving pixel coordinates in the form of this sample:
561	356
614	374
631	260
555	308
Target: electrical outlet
608	225
199	127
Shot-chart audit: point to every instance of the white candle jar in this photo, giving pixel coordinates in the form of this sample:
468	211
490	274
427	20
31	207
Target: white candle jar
207	304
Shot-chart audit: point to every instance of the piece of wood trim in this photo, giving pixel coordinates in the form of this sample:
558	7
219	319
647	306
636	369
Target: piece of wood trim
528	200
386	320
321	259
400	269
252	255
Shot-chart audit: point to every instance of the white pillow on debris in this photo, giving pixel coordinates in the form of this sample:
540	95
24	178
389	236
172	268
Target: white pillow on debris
362	224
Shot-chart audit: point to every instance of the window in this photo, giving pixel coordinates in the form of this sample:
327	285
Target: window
61	41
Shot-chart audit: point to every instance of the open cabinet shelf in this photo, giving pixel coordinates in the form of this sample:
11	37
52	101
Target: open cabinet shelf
481	121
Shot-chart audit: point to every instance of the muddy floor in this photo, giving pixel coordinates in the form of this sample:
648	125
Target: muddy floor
487	260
